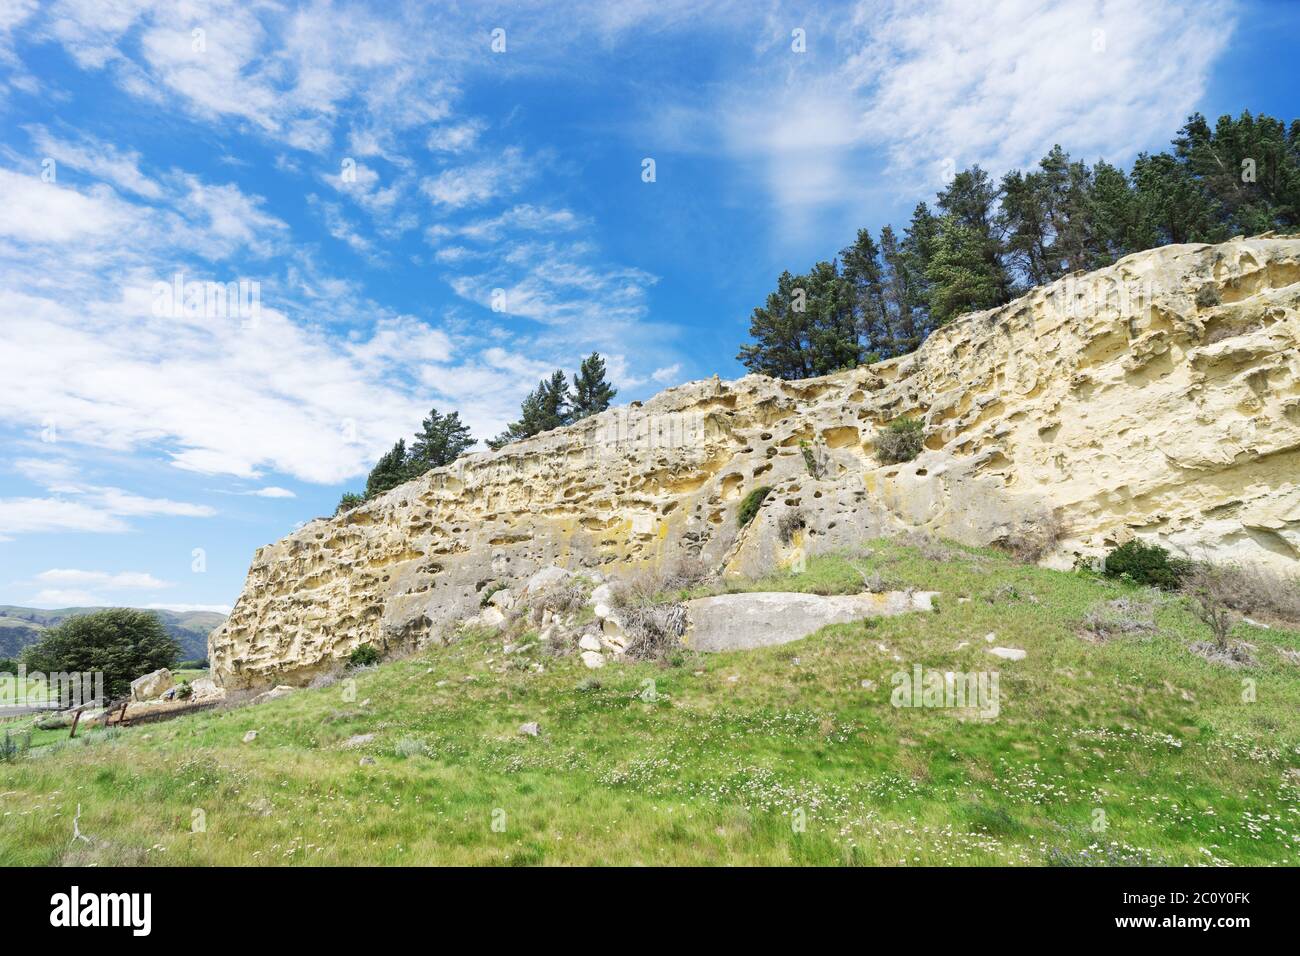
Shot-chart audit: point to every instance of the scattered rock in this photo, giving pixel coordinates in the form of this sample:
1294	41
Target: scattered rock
1234	655
530	729
868	685
491	617
1009	653
990	637
205	688
152	685
275	693
545	579
602	596
504	599
614	642
962	645
730	622
589	642
250	736
593	659
366	762
358	740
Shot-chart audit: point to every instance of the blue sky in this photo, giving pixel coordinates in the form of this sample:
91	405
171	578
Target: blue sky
385	177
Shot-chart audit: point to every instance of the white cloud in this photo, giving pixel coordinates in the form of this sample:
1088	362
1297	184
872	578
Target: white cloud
667	374
272	491
521	218
89	508
36	211
286	73
885	95
102	580
100	159
479	182
34	515
999	84
456	137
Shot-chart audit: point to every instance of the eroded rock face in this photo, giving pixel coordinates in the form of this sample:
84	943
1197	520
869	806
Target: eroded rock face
1159	397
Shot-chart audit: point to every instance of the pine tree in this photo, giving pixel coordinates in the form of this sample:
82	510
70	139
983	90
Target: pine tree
864	280
1121	225
808	328
970	205
441	440
389	472
917	251
960	278
990	242
901	298
780	332
1024	216
591	392
1249	166
1175	203
545	408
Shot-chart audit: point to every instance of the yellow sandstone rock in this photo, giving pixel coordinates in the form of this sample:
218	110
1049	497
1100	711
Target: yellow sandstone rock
1157	398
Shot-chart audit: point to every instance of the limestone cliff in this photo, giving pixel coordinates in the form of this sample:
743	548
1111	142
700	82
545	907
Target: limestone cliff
1159	397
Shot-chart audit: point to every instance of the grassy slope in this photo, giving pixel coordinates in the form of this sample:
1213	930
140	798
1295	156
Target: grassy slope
711	771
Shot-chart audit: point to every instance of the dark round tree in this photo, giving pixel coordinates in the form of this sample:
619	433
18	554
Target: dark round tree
121	642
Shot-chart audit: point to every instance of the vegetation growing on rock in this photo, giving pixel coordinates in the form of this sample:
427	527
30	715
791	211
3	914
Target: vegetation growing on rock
1146	564
751	503
901	441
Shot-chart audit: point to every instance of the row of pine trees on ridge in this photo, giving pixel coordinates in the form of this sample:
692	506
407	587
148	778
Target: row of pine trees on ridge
444	438
983	244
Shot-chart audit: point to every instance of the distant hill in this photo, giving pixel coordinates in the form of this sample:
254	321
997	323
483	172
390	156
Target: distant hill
22	626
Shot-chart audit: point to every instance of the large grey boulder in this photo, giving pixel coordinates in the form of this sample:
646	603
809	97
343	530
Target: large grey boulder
152	685
546	579
737	622
205	688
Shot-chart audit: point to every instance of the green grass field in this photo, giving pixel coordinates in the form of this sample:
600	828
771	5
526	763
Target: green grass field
1134	751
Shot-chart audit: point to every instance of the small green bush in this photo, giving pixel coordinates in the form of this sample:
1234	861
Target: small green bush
1146	564
900	441
349	501
753	501
11	748
363	656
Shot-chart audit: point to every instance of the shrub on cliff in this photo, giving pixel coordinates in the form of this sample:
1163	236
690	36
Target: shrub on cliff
901	441
349	501
363	656
749	507
1146	564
